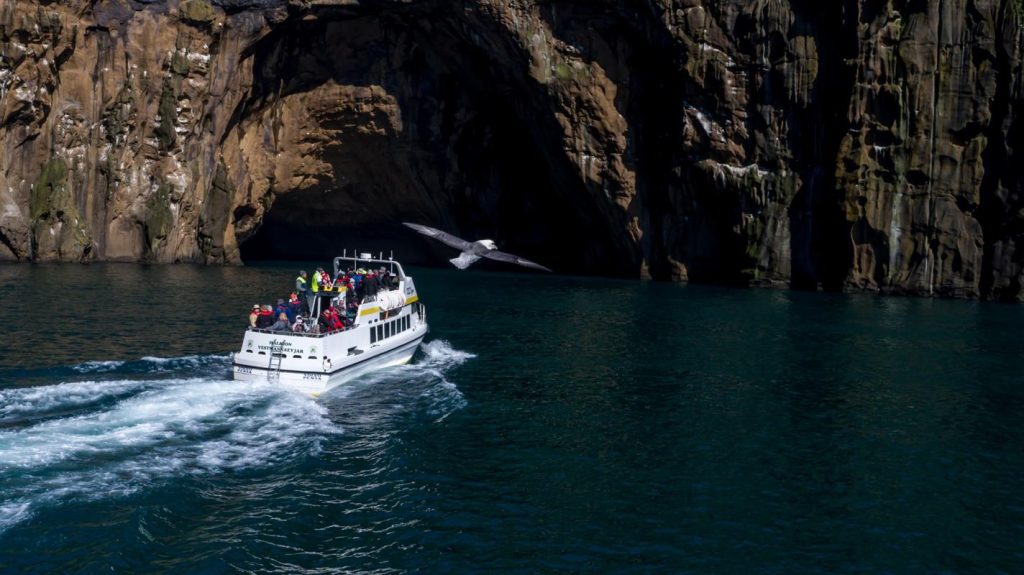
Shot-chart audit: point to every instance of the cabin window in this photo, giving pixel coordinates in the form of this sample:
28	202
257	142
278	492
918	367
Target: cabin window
380	332
373	336
391	328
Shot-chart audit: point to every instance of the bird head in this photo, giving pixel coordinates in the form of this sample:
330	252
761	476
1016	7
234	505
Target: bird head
489	244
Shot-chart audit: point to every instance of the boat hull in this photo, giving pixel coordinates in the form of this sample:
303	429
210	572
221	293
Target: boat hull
316	383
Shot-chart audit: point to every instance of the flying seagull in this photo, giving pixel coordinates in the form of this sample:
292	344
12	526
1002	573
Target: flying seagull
472	251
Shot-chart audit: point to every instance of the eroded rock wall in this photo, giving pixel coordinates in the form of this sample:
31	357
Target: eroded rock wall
858	144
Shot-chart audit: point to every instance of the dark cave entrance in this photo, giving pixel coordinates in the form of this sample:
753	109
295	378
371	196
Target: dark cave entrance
469	155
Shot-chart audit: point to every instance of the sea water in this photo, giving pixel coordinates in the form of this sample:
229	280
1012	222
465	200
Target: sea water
548	424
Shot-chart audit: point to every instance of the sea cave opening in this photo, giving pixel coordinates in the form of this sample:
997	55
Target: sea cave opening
417	124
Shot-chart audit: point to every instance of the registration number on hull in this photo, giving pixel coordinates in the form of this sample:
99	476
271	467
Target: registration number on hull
305	376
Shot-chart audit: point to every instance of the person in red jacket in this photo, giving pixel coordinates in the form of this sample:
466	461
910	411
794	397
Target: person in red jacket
336	323
266	318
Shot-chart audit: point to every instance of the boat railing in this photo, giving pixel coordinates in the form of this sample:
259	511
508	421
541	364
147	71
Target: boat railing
366	258
295	333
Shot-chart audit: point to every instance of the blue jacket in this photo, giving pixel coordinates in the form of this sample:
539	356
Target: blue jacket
287	311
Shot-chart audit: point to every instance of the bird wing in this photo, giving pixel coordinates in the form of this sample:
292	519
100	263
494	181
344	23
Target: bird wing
444	237
509	258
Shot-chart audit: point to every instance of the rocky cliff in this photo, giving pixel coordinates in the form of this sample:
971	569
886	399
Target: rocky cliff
859	144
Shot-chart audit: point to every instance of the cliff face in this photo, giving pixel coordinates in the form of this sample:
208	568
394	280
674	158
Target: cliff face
851	143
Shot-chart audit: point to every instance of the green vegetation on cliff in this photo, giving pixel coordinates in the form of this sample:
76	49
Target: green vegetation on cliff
49	188
159	218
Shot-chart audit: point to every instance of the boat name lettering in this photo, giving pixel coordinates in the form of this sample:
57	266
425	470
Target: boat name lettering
286	347
313	376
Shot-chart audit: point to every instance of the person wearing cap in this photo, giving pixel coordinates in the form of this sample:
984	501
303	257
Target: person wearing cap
298	326
254	314
294	306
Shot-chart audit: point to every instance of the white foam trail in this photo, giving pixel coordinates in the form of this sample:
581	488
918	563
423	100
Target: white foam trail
40	399
13	513
439	353
182	427
444	397
427	378
161	363
97	366
185	361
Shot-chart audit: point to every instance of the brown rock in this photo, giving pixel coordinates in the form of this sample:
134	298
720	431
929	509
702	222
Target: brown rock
866	145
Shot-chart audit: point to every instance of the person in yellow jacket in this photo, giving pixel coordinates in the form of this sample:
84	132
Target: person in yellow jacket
317	279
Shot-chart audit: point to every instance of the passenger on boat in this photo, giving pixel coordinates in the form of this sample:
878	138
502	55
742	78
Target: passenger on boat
266	318
318	277
302	289
336	321
294	306
357	282
370	284
254	315
281	324
282	308
299	326
382	279
324	322
345	321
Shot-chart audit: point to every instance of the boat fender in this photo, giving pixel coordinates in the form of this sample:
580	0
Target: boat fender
327	364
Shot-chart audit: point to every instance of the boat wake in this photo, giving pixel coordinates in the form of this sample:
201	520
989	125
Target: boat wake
81	441
132	425
421	384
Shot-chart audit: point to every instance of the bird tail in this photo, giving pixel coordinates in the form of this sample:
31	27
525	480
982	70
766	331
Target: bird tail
464	260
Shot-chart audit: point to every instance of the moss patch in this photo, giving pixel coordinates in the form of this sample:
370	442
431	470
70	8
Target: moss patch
197	12
179	63
49	188
158	216
52	203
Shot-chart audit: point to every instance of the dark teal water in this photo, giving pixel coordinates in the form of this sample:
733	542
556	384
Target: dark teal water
551	424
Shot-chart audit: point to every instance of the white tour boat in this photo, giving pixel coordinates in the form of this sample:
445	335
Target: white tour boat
386	330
